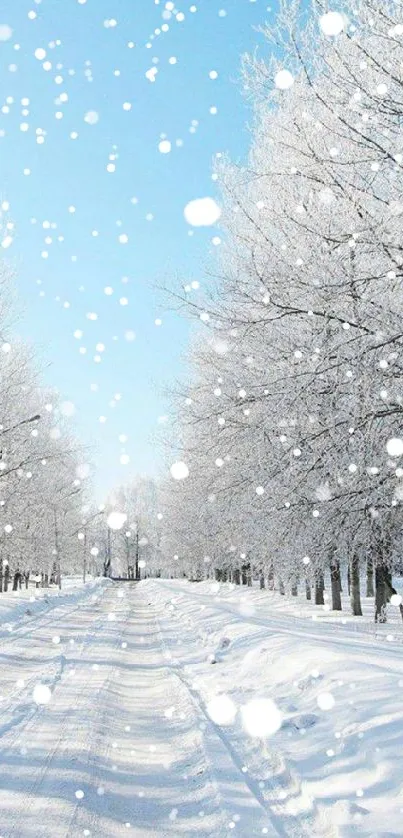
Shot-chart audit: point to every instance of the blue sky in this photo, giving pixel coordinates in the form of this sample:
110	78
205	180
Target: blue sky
93	68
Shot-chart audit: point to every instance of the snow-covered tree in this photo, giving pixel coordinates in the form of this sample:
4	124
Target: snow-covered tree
135	545
293	420
43	471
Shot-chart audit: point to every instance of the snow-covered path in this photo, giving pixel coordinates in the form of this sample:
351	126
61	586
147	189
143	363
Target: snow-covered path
126	744
333	770
107	755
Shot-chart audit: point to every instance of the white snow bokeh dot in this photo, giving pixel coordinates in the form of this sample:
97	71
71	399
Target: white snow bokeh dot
394	447
325	701
261	717
116	520
222	710
202	212
41	694
6	32
179	470
284	79
332	23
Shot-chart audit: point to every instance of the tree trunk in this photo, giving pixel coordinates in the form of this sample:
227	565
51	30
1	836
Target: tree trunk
270	578
224	575
217	574
355	598
281	587
335	580
370	577
383	591
308	590
349	580
380	593
244	576
294	589
237	576
391	591
262	581
249	578
319	589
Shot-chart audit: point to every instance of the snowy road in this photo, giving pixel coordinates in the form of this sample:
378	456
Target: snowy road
108	755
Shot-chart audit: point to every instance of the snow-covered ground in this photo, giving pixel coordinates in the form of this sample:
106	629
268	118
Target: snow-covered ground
151	726
25	603
326	772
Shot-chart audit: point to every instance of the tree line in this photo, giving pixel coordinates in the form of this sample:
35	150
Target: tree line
43	470
291	423
50	524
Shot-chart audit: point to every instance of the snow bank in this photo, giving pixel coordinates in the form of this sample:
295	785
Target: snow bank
334	765
21	606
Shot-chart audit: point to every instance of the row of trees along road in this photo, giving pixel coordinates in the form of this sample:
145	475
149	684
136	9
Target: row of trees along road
43	471
292	425
121	538
49	523
137	544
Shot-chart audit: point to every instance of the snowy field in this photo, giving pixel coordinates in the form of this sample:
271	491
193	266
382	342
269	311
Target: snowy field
139	710
326	772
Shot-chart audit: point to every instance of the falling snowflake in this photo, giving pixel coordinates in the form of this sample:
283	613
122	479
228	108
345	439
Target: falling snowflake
6	32
325	701
222	710
41	694
91	117
179	471
202	212
116	520
261	717
284	80
332	23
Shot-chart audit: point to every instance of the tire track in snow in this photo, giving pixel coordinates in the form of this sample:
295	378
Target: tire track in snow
96	740
253	787
209	773
32	722
191	754
46	617
294	829
26	708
